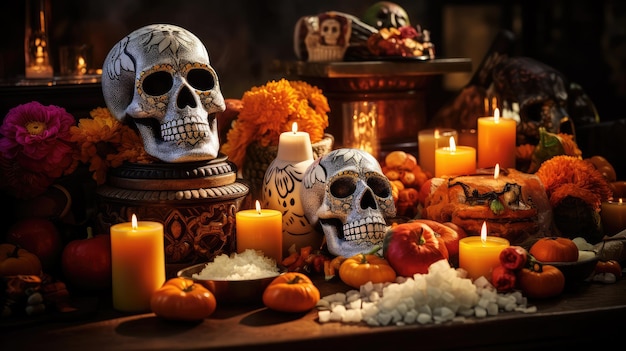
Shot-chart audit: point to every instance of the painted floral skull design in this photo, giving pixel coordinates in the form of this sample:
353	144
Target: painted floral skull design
346	193
160	78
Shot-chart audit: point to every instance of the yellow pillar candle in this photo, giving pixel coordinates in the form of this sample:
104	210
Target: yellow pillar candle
455	160
478	255
260	229
496	141
613	215
428	141
138	263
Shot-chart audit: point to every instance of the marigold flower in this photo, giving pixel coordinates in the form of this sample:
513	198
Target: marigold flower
103	142
565	175
269	110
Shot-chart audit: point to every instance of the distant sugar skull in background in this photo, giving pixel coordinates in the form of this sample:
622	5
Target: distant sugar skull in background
386	14
347	195
159	77
326	36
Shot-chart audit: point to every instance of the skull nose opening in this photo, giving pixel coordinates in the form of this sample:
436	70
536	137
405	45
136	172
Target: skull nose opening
185	98
368	201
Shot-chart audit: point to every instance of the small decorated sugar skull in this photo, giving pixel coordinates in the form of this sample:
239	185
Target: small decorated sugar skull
160	77
346	193
326	36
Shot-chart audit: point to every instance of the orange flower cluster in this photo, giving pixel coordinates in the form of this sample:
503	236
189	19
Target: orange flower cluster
269	110
104	142
565	175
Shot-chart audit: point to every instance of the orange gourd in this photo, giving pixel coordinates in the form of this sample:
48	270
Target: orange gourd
17	261
183	300
291	292
362	268
541	281
609	266
554	249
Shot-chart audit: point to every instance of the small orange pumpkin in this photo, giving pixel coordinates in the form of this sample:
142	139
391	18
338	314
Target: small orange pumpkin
541	281
554	249
609	266
291	292
184	300
362	268
17	261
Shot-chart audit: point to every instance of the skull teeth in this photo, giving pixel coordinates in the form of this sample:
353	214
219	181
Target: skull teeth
189	129
369	229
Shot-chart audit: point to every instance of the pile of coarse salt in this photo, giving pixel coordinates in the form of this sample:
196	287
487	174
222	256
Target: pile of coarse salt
442	295
249	264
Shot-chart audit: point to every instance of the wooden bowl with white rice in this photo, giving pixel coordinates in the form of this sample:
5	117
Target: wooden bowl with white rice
238	278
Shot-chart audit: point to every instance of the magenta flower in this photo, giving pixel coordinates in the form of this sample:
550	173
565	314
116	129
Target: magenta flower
37	139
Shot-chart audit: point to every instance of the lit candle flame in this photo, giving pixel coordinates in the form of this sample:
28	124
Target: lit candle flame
436	133
496	115
483	233
258	207
620	200
134	222
496	172
452	144
294	127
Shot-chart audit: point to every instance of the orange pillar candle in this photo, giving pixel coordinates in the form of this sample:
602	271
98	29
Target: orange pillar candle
478	255
455	160
260	229
138	263
428	141
496	141
613	215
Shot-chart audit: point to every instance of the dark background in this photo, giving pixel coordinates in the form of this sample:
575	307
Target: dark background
584	39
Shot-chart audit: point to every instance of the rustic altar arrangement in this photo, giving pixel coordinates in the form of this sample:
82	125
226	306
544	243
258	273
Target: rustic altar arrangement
404	252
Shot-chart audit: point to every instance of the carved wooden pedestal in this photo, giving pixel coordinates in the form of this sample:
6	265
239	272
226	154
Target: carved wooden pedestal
196	202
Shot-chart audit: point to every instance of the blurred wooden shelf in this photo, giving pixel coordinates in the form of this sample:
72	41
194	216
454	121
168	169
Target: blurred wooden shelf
391	67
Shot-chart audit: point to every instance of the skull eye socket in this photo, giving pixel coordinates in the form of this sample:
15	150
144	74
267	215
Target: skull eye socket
201	79
157	83
343	187
330	28
379	186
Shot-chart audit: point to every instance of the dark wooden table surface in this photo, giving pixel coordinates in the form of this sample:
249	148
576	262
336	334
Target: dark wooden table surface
591	315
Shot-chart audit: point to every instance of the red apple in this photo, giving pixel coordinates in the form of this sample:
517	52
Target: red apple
39	236
452	242
412	247
86	263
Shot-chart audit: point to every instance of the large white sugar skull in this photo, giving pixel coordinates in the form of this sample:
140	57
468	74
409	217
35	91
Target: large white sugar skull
160	77
346	193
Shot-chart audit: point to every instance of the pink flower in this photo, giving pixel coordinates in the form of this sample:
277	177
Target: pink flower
37	138
35	148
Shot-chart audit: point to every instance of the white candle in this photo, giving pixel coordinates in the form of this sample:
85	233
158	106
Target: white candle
281	189
294	146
